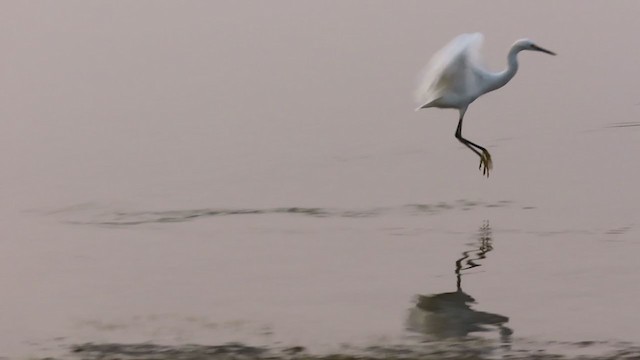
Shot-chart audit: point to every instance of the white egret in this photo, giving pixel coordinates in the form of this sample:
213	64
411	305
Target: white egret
455	77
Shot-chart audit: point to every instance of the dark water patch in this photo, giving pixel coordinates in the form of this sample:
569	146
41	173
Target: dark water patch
154	351
462	348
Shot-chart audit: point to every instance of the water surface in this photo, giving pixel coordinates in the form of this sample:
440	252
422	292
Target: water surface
204	173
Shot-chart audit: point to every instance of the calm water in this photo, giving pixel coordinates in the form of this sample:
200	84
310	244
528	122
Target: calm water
206	172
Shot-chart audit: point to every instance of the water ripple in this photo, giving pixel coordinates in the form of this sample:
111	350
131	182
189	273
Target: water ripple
624	124
124	218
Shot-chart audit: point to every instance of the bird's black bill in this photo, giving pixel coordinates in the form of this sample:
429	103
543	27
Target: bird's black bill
538	48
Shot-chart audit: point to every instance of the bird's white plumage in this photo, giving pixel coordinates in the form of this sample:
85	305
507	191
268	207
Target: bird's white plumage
454	74
455	77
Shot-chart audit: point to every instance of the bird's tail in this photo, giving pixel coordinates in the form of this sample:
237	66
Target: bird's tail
426	105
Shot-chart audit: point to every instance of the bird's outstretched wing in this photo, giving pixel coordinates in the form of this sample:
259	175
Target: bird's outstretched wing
455	69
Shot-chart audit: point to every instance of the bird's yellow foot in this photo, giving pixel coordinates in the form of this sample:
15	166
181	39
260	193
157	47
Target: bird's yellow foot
485	163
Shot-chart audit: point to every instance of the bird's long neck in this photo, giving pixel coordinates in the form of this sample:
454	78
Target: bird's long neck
503	77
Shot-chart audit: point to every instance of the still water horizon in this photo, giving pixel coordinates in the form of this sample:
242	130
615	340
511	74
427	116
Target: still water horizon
255	172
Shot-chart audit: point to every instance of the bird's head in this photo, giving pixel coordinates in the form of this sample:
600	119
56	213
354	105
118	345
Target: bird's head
526	44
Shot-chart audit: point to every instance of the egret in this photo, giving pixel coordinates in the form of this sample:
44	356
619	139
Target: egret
455	77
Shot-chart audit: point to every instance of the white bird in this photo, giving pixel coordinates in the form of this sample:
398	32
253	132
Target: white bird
455	77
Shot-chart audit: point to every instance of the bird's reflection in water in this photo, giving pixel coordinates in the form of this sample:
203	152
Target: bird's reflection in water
449	315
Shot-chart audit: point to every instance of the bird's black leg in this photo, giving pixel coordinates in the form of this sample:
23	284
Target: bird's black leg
485	157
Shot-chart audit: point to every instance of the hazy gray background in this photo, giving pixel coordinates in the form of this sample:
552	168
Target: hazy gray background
112	108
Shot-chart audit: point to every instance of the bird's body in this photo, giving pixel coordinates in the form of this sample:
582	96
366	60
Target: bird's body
456	77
